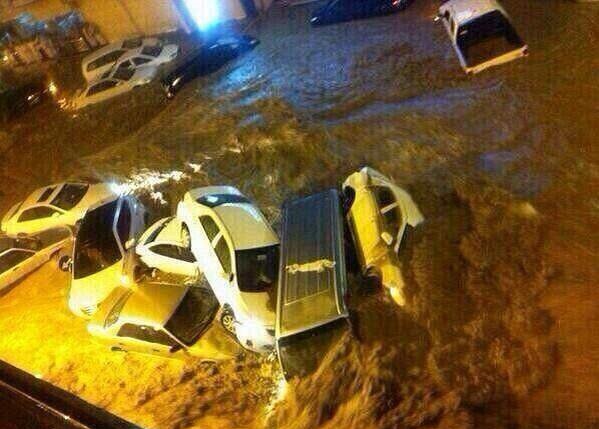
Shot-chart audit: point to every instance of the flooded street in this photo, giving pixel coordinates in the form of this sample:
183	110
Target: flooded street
498	330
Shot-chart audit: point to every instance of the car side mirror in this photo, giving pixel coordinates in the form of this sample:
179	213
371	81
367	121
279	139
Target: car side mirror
65	264
387	238
130	243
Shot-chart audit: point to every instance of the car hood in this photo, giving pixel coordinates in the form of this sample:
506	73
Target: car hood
92	290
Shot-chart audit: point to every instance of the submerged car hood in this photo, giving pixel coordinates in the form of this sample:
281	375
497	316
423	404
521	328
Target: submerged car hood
92	290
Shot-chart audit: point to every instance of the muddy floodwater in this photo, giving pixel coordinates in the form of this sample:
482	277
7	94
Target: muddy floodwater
499	329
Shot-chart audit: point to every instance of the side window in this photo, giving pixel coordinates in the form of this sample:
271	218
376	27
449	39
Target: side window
11	259
175	252
145	333
210	227
36	213
123	226
384	197
223	254
105	59
138	61
125	64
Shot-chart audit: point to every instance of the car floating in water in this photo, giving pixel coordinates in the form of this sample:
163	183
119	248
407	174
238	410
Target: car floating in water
347	10
163	319
481	33
20	257
166	246
311	310
105	236
206	60
61	204
238	252
379	212
103	60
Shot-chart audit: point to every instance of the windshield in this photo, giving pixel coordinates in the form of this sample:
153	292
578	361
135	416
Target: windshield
96	247
300	354
193	315
69	196
257	269
486	37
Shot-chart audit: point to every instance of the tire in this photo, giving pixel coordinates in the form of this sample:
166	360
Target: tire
227	319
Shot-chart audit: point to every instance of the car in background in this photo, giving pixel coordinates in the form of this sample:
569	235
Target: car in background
102	60
21	257
166	246
481	33
146	56
163	319
207	59
105	235
61	204
16	101
117	82
312	315
346	10
379	212
238	252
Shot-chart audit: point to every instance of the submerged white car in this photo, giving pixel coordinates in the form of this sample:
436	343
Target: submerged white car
117	82
105	235
379	213
238	252
166	246
19	258
481	33
62	204
102	60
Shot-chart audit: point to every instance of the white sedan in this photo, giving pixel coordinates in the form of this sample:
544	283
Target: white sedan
21	257
238	252
166	246
146	56
103	60
118	82
103	240
62	204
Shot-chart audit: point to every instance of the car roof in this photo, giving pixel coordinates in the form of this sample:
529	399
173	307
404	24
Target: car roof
312	279
115	46
152	303
247	226
465	10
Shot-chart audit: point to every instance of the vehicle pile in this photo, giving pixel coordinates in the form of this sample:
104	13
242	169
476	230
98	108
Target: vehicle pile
215	276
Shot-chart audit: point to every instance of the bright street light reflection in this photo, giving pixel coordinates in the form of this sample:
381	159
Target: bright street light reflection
205	13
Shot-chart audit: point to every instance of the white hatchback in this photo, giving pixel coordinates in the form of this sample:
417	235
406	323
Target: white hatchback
62	204
238	252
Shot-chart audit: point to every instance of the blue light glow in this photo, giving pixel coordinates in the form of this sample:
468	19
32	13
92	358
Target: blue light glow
205	13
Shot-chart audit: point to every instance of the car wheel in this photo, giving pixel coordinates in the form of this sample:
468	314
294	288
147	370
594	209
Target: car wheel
227	319
185	237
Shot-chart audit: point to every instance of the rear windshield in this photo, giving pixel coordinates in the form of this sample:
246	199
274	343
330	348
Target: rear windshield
96	247
69	196
193	316
302	353
487	37
257	269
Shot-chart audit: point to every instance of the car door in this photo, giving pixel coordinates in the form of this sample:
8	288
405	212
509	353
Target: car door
143	339
171	258
15	264
40	218
215	260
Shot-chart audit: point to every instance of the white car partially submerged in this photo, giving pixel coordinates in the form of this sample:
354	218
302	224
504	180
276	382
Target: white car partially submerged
105	235
482	33
21	257
166	246
61	204
117	82
102	60
238	252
